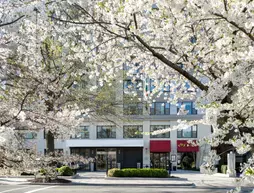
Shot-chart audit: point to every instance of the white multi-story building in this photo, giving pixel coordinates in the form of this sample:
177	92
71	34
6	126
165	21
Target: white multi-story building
130	144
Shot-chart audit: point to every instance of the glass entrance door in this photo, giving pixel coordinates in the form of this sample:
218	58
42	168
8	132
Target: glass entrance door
102	156
159	160
101	159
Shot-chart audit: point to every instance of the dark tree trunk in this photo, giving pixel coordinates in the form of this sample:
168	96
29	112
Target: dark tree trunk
50	142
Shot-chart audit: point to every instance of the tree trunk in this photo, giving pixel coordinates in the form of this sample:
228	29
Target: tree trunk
50	142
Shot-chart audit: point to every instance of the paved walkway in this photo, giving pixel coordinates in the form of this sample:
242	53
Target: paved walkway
186	178
13	180
99	178
216	180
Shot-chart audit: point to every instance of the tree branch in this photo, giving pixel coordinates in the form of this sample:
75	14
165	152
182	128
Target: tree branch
225	5
235	25
9	23
172	65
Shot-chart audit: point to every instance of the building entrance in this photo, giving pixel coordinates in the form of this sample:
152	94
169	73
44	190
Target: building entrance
159	160
102	155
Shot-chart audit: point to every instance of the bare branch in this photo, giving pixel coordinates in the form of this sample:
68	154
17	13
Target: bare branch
225	5
78	23
173	65
9	23
135	20
236	25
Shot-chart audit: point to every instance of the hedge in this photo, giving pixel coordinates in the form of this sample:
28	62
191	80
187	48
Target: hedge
133	172
223	169
65	171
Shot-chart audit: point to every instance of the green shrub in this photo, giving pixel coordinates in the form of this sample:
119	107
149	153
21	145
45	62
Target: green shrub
223	169
112	172
249	172
133	172
42	171
65	171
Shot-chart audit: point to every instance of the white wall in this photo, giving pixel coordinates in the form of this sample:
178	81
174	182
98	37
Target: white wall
203	130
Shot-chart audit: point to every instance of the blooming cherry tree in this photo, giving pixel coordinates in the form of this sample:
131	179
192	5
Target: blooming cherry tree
202	49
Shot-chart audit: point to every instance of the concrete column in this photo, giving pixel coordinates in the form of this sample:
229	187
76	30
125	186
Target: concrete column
67	151
92	131
119	130
173	139
146	140
173	109
40	142
231	165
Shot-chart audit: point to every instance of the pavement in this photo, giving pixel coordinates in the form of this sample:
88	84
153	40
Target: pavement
100	179
185	180
216	180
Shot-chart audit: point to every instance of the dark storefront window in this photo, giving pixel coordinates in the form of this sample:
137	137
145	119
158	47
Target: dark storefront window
85	152
104	132
58	151
160	108
159	160
102	155
159	127
132	131
190	132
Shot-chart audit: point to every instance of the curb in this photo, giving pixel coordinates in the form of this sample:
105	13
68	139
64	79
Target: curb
137	178
191	185
17	176
75	176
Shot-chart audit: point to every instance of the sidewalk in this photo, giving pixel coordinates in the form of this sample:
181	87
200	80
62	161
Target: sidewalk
216	180
185	178
14	180
99	178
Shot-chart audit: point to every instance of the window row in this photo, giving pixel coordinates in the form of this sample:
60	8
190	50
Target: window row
158	108
135	131
150	86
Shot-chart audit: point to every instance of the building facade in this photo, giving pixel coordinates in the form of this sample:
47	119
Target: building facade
129	143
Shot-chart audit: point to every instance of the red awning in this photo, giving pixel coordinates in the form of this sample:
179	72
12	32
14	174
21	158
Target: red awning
160	146
184	146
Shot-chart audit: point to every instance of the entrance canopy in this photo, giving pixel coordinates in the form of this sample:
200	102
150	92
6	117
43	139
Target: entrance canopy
160	146
184	146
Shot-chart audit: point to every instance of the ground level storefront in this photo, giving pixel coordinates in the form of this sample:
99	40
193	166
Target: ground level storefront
118	157
159	155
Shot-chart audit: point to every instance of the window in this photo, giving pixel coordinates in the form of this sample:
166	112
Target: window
133	131
133	87
57	151
165	88
190	132
151	85
82	133
189	106
160	108
133	109
104	132
159	127
85	152
134	69
30	135
129	85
